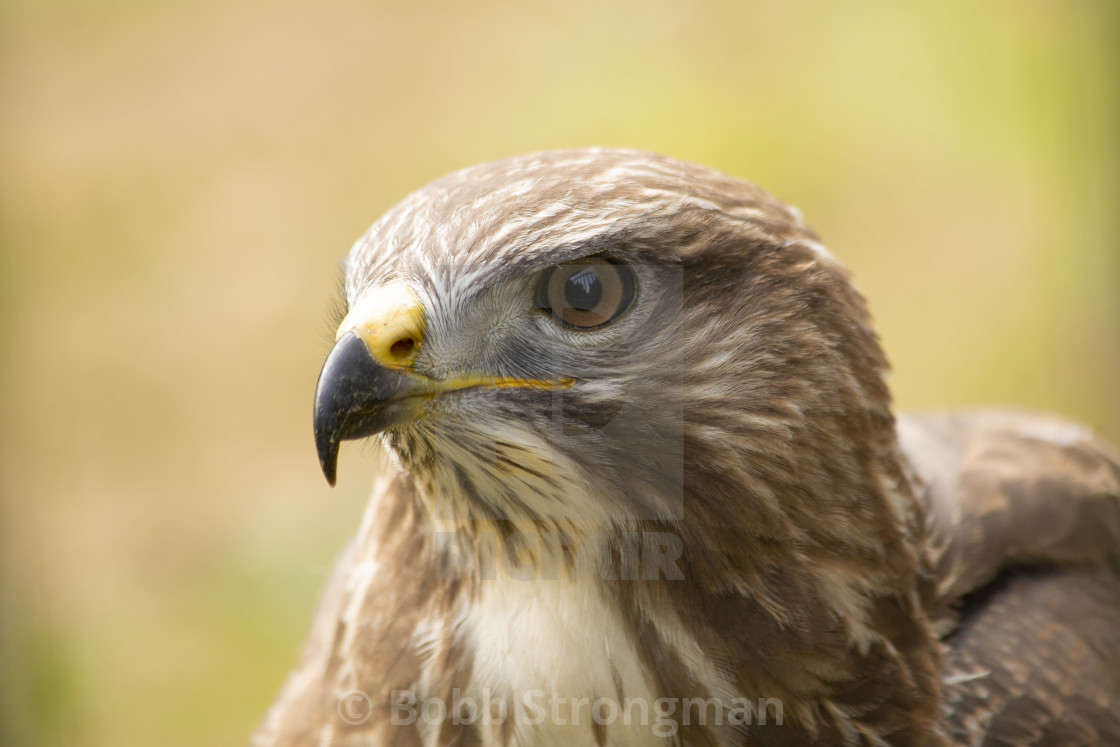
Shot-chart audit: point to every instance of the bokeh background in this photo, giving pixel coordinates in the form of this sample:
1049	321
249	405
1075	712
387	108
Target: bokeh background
179	180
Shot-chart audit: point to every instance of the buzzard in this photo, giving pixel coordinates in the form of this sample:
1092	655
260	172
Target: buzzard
644	487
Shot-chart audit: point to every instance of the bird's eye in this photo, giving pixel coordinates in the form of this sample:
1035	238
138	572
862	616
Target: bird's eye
586	293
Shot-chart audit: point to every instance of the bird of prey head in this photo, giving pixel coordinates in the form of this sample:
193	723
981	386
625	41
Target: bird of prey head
602	346
537	337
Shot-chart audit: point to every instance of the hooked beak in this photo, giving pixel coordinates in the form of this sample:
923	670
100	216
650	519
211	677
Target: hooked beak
357	397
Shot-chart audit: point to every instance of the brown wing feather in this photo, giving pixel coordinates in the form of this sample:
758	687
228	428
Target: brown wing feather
1024	513
1036	661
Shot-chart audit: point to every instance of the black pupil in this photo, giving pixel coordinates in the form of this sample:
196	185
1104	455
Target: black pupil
583	291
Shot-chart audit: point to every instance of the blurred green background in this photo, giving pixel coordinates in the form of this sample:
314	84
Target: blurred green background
179	180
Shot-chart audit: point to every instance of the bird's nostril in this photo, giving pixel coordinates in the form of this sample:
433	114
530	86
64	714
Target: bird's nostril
403	347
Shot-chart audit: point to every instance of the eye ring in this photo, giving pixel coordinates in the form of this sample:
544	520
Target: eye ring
586	293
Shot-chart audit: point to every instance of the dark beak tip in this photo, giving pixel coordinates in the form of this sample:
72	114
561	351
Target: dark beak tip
352	400
328	462
327	449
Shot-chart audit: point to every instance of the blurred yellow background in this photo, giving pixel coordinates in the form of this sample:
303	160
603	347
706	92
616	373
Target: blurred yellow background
179	181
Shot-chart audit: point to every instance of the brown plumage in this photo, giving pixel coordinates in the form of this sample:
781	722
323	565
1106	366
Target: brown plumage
760	529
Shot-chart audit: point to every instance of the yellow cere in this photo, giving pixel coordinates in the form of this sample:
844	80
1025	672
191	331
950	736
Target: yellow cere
390	321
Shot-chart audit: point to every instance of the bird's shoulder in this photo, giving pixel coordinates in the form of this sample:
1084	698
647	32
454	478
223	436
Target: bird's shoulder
1011	488
1023	512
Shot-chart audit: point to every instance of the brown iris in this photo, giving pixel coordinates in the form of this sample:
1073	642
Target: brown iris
586	293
